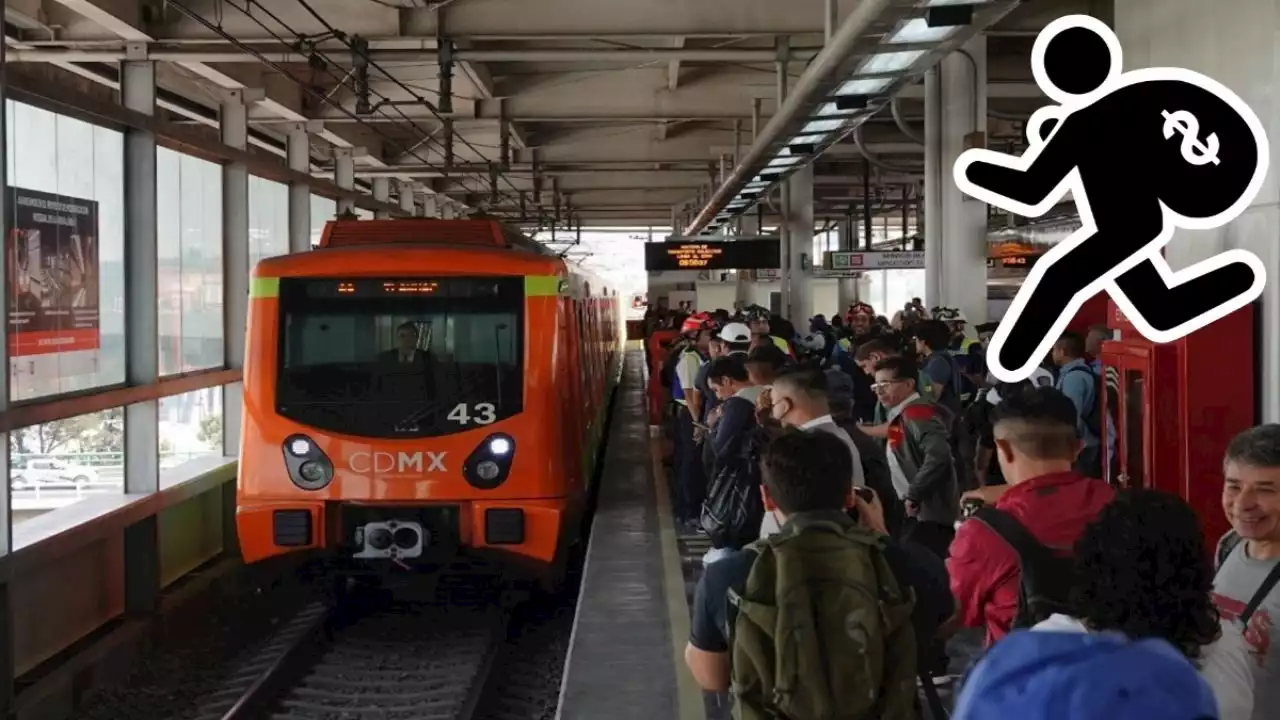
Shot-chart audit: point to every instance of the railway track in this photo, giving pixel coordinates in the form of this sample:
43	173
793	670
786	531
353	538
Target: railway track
374	657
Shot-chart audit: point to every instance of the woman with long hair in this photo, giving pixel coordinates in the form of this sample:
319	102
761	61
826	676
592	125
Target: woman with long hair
1143	570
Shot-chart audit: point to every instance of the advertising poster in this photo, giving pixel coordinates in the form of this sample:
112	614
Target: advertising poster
51	252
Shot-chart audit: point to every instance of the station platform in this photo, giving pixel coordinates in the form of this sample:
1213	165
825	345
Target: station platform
626	653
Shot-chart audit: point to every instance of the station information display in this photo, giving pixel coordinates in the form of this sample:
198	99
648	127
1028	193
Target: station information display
1014	262
713	255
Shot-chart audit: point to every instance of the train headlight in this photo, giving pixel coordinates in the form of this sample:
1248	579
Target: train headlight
309	468
489	464
488	470
313	472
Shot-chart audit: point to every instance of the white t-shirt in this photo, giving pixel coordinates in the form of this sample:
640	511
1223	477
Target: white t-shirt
825	424
1226	671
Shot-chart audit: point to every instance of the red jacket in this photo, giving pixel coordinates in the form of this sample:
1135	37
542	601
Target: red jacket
984	569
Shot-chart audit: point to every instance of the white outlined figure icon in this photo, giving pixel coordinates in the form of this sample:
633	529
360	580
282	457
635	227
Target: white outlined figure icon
1142	153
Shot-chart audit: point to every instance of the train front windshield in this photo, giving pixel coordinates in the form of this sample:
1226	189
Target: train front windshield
400	357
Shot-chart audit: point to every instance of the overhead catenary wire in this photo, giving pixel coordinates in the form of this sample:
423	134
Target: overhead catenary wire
327	64
193	15
496	173
423	101
502	198
308	89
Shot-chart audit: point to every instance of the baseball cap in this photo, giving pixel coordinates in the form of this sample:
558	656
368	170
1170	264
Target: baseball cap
736	333
1036	675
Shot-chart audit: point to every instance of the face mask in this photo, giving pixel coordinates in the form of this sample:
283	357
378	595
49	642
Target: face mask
779	410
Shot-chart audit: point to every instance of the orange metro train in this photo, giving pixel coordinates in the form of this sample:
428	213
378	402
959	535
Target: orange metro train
417	389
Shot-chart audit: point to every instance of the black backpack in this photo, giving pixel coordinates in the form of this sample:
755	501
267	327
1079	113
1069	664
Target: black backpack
676	349
1093	416
1047	577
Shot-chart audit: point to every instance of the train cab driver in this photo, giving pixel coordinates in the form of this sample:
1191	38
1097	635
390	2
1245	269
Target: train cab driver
405	370
406	351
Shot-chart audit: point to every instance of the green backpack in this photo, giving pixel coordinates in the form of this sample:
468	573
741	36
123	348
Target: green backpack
822	630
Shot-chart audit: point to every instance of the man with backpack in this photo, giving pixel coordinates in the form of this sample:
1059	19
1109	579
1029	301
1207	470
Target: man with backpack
1078	381
1245	588
1010	563
814	622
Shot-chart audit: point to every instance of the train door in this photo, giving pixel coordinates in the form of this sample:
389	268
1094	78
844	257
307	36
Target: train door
571	415
1129	374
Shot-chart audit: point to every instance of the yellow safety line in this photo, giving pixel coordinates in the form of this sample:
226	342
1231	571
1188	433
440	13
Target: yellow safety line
689	700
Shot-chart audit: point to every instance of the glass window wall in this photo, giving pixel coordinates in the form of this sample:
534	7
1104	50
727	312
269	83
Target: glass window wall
56	464
190	426
65	253
322	211
268	219
189	241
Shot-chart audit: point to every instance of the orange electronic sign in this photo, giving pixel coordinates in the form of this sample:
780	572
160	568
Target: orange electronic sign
714	255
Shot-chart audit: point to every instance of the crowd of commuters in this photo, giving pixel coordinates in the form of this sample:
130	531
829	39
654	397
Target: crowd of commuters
869	491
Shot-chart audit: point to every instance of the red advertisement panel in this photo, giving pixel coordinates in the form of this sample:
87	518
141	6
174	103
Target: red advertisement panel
51	252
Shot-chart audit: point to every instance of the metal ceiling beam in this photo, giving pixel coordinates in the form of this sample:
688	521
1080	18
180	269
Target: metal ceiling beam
630	56
819	80
807	88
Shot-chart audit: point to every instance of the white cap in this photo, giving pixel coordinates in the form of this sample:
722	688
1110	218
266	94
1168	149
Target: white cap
1039	378
736	333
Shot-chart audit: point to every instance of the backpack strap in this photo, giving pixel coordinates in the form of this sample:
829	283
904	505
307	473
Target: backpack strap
1261	594
1228	543
1011	531
733	600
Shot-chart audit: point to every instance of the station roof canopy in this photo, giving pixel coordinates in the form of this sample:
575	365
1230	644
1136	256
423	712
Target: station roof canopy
590	111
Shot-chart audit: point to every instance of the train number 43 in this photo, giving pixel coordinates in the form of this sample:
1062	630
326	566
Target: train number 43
480	413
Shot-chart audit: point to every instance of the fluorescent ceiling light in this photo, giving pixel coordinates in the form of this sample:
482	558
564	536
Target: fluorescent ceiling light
830	110
937	3
814	139
784	161
869	86
756	186
822	126
918	31
890	62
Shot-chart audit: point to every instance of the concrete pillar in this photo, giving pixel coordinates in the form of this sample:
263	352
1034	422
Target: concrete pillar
934	178
446	211
846	288
962	78
142	362
382	193
344	175
234	128
431	206
298	152
1232	43
800	247
748	226
407	205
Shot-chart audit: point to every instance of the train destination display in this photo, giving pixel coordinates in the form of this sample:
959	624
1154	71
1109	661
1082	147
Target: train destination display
713	255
